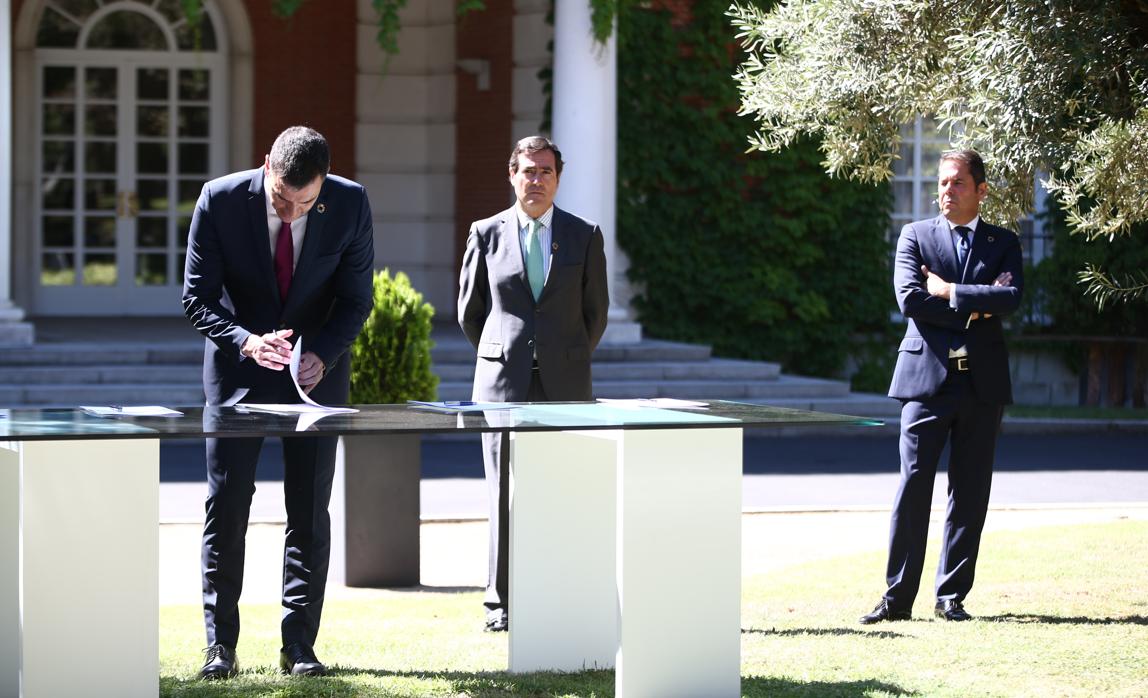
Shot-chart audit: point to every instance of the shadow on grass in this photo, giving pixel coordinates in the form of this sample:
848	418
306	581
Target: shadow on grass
835	632
1064	620
350	682
422	589
820	631
768	686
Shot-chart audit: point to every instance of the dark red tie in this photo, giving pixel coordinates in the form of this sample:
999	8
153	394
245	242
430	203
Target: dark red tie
284	259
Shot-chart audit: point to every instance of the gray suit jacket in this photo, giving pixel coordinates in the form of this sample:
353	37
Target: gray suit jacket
922	358
500	317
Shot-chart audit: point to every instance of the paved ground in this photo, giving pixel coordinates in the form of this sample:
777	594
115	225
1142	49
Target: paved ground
805	498
791	473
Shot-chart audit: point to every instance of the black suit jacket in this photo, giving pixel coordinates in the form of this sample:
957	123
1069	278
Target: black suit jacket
498	313
230	291
922	359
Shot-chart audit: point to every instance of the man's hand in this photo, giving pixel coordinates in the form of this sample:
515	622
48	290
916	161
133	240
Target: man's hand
936	285
1004	279
311	371
271	350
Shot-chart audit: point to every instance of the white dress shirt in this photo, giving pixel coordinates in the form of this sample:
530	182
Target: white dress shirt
298	227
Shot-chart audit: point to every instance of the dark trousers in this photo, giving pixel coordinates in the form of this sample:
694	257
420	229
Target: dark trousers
953	415
308	471
308	474
496	462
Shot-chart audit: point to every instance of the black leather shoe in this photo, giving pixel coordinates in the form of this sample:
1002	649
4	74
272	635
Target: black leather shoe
951	610
298	659
497	621
884	612
221	663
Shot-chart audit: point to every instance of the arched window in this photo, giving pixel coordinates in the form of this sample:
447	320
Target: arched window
128	129
66	22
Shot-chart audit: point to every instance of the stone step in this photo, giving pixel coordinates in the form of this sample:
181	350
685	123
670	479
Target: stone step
444	353
71	395
713	369
102	353
73	374
191	372
650	350
782	387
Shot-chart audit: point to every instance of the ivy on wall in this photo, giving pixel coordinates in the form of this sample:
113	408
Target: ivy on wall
602	15
760	256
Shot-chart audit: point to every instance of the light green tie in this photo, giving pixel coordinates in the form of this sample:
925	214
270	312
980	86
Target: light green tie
534	269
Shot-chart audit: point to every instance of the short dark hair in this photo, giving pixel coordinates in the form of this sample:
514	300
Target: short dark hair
972	160
534	144
299	155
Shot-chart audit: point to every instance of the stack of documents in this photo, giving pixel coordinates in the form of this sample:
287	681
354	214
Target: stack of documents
130	411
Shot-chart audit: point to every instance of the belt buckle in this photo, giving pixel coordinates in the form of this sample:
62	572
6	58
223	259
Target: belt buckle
962	363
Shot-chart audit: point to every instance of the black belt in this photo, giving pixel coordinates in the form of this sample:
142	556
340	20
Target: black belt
959	363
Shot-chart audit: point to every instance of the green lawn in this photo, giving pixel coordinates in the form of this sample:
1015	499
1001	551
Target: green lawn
1062	611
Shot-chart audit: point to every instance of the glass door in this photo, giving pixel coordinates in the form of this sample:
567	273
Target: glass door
128	129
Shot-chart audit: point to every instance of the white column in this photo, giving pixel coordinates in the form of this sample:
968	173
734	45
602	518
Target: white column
585	128
12	331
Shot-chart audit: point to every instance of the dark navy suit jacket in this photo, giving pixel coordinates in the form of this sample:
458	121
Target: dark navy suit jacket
230	291
922	359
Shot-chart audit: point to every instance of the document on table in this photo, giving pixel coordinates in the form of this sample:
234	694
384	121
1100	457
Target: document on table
665	403
307	407
130	411
452	406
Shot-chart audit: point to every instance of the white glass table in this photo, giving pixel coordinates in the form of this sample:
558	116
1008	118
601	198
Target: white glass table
624	535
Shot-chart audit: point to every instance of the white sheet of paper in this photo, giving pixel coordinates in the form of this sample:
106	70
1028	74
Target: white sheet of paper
308	406
130	411
296	356
461	405
665	403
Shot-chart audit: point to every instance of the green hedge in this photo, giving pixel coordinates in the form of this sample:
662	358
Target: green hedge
760	256
391	357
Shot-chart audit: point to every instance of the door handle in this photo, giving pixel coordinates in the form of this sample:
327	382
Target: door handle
127	204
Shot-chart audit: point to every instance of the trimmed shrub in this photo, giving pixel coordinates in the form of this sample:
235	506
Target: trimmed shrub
391	357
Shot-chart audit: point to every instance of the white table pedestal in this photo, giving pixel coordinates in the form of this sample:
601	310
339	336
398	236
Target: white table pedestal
625	551
80	550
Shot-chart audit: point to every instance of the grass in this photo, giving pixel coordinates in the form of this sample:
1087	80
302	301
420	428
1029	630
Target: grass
1076	412
1061	611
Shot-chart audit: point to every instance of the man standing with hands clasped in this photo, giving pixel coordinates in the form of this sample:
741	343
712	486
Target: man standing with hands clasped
533	301
954	276
276	255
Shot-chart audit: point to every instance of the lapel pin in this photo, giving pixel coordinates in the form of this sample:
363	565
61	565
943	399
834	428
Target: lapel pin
321	207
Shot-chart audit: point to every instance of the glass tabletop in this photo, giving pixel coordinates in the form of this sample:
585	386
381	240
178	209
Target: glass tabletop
195	422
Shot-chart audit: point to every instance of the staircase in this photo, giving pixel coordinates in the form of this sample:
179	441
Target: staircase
158	361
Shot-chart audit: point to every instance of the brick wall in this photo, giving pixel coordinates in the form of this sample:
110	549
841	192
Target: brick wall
305	75
483	118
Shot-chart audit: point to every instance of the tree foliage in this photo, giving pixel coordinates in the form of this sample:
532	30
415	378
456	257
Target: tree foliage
1058	87
761	257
